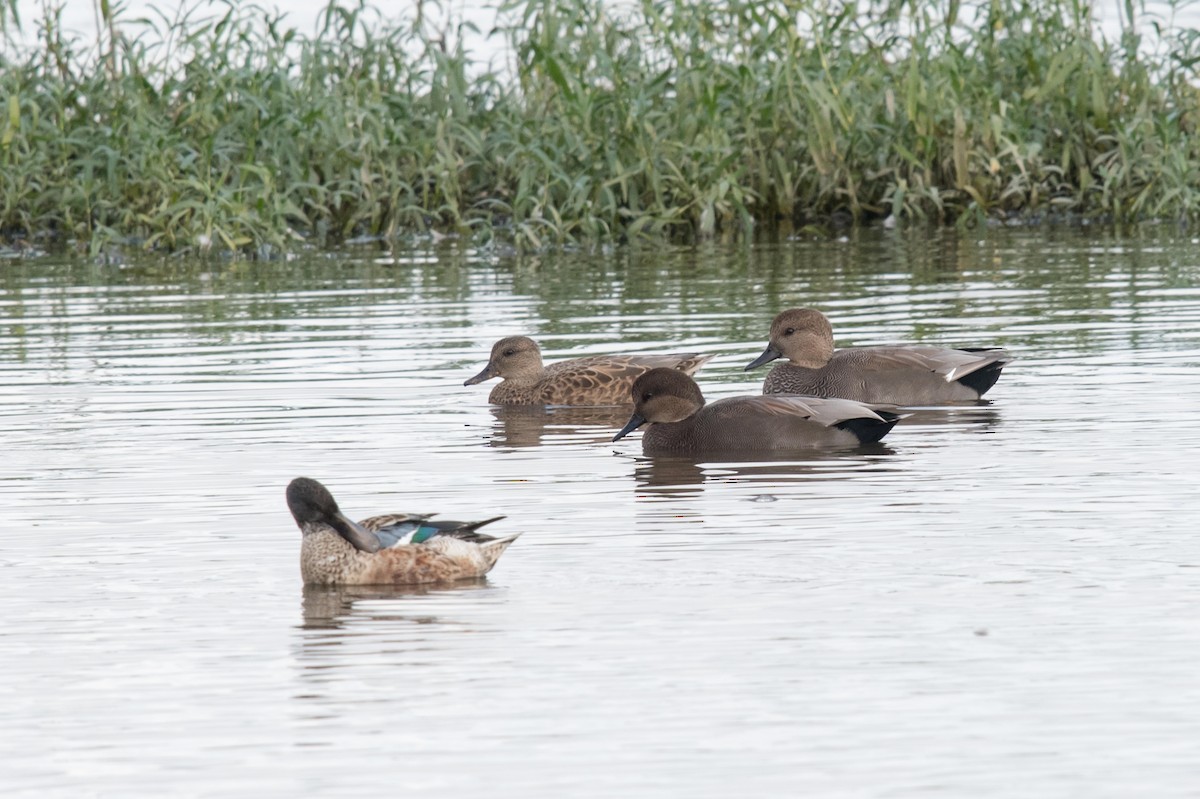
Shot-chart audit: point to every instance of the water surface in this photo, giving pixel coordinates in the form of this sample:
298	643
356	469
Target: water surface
1001	599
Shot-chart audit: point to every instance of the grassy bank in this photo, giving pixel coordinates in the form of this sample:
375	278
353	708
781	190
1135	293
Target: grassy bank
680	118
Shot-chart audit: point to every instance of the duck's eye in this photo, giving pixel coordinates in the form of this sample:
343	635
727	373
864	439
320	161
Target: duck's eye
646	396
509	353
789	331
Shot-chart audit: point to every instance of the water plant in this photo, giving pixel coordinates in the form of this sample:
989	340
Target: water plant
669	118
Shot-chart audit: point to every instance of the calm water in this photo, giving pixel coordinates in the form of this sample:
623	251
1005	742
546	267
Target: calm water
1002	601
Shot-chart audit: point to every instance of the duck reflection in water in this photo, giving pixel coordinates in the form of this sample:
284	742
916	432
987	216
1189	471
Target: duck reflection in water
330	607
347	626
535	425
980	414
667	476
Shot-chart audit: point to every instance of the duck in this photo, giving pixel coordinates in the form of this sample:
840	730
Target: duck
681	422
389	549
594	380
893	375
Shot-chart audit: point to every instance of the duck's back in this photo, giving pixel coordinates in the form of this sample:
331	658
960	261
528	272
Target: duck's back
594	380
915	375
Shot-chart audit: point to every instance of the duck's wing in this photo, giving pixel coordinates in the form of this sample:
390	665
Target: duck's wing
398	529
598	380
395	529
826	411
688	362
602	368
386	520
781	421
606	379
621	366
949	364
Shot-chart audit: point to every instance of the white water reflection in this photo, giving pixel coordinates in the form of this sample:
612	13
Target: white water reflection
999	599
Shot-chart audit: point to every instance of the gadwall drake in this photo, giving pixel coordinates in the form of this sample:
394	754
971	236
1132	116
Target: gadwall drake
680	421
395	549
895	375
595	380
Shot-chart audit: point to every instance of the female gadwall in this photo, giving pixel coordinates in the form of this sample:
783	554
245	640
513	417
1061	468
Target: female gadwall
896	375
596	380
396	549
680	421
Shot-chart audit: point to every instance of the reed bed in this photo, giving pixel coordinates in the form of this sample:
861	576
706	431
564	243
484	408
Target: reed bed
679	119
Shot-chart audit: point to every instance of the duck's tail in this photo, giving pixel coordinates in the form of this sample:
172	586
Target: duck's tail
870	430
492	550
982	373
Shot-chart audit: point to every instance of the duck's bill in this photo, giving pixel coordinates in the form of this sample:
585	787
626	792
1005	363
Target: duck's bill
769	354
634	423
359	537
486	374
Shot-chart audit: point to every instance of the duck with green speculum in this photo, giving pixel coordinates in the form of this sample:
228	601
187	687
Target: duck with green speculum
895	375
681	422
390	549
594	380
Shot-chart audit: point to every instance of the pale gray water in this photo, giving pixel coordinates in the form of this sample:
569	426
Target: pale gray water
1002	601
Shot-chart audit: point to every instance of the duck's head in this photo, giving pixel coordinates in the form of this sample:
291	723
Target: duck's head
662	395
312	507
802	335
512	357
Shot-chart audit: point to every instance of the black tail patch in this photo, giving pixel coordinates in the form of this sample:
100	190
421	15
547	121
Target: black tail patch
869	430
983	379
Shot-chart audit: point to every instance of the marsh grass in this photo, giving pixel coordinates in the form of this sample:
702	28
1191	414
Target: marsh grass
662	118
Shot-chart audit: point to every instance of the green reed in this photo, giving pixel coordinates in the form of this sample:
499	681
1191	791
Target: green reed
668	118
